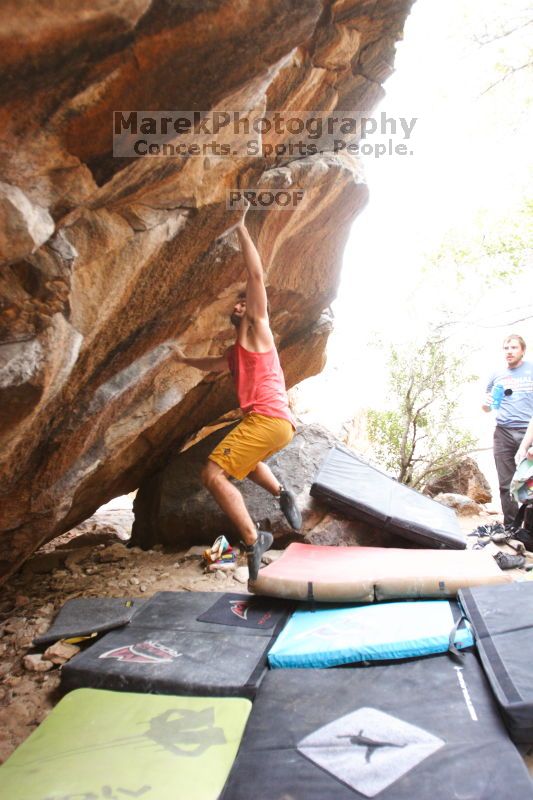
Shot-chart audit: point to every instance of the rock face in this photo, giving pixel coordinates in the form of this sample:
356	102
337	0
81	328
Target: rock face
463	505
465	478
104	258
172	507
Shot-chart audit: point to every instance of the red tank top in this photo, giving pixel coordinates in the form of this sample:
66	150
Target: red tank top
259	382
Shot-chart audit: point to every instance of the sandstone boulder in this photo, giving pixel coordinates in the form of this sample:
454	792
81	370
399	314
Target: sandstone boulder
463	478
105	257
460	503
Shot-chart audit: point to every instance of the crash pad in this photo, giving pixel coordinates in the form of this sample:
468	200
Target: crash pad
97	744
83	616
357	489
427	728
322	636
167	649
363	574
502	620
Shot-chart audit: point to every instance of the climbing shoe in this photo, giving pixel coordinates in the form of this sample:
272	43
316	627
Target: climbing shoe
287	503
254	552
507	561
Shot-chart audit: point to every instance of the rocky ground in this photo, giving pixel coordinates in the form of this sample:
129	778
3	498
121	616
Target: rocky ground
89	561
92	561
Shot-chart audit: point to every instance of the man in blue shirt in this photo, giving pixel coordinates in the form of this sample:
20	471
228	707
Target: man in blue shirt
512	416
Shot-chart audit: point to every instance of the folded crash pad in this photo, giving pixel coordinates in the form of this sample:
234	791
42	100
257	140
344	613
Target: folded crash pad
167	649
363	574
328	637
356	489
502	619
98	744
427	728
88	615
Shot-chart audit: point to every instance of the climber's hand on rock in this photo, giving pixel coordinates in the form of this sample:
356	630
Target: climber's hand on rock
176	350
240	212
245	209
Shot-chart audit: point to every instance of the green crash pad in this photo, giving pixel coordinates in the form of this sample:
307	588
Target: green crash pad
102	745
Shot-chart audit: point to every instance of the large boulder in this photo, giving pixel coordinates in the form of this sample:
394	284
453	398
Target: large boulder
465	478
173	508
460	503
104	257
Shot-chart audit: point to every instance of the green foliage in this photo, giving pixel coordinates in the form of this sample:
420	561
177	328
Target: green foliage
495	250
419	438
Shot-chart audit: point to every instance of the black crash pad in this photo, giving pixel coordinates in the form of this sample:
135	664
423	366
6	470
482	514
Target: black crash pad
502	620
422	729
86	615
356	489
168	650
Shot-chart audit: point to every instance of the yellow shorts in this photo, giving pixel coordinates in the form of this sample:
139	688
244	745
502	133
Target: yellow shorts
255	438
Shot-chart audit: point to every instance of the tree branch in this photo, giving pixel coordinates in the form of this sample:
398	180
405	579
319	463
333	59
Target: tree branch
503	324
510	71
482	41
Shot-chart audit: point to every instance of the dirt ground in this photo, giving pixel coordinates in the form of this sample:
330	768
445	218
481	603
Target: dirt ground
89	561
93	561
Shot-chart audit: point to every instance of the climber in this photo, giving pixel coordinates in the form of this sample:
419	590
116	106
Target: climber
268	425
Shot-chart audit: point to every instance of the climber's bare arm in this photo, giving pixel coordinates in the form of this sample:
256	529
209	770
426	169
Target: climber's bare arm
257	334
256	296
207	364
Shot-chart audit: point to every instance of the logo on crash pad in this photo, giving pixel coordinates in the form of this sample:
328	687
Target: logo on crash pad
143	653
240	608
342	628
185	732
369	750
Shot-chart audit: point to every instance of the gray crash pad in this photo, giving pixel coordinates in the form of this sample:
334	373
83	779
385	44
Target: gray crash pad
356	489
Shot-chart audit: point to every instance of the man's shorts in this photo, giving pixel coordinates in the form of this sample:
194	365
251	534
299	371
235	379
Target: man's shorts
253	440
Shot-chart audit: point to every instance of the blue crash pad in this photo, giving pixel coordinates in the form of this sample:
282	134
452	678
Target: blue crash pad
329	637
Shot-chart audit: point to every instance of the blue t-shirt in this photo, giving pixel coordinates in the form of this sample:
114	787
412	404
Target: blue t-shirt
516	409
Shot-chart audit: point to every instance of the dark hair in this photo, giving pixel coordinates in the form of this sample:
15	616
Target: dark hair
242	296
518	338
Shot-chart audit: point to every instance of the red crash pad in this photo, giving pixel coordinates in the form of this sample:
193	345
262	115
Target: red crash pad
364	574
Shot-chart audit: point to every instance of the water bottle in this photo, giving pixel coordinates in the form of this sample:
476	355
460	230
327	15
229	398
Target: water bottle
497	395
